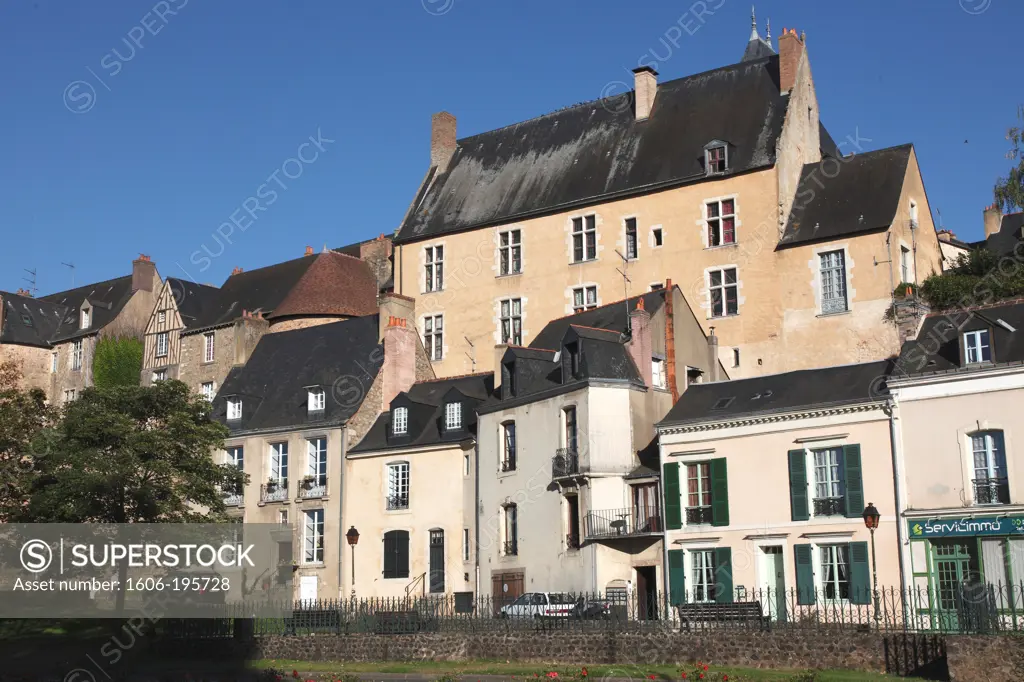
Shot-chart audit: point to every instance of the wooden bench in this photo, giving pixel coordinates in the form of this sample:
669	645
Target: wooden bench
742	612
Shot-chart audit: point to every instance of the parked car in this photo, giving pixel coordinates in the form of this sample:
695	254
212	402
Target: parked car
541	605
592	609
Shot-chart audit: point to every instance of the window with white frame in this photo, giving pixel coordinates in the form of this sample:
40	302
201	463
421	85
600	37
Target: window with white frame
977	347
208	390
584	298
508	446
511	527
398	485
161	345
86	317
465	544
723	292
313	536
716	159
721	222
53	362
234	408
279	463
657	237
991	485
161	316
316	399
400	421
698	493
905	275
282	517
69	395
512	321
453	416
159	375
584	238
510	252
434	268
316	466
76	355
835	571
632	244
433	336
702	573
833	281
658	372
828	486
236	457
208	347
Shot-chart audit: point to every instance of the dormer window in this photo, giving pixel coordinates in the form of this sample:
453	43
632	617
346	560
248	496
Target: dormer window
977	347
572	351
452	416
400	421
316	400
86	317
716	157
234	408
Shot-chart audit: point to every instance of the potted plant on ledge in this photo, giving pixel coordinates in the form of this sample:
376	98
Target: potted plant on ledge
308	482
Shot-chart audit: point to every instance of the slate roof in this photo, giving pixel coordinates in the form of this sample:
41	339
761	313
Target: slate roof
937	345
29	321
862	196
597	150
1011	231
611	316
337	356
194	301
426	404
777	393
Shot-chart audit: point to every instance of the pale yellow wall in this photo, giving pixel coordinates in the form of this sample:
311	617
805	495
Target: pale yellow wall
437	500
759	497
34	364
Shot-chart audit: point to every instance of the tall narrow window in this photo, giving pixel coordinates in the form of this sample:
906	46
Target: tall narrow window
398	486
434	268
512	321
657	237
208	347
396	554
508	446
702	565
235	458
465	544
86	317
76	355
828	490
715	159
698	493
53	362
833	282
723	290
632	246
453	416
721	221
584	298
400	421
658	372
208	390
572	439
433	336
584	238
977	347
313	536
276	487
904	264
991	485
835	571
510	252
511	544
572	522
315	482
161	345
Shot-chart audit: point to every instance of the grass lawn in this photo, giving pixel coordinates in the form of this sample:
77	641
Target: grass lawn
595	672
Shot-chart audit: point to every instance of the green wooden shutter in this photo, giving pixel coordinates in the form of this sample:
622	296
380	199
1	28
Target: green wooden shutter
723	575
853	480
673	503
390	568
719	493
676	576
798	485
804	574
860	573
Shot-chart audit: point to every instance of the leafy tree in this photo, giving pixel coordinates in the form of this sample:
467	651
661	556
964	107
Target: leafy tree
977	278
1009	191
117	361
24	415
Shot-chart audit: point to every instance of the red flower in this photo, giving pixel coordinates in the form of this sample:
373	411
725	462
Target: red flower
725	678
552	674
583	672
705	668
702	676
651	677
684	676
295	674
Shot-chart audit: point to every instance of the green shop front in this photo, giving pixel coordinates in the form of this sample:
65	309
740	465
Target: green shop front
967	572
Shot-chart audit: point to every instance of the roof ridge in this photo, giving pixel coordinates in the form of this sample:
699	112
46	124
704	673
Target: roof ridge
84	286
597	329
453	377
272	265
792	371
610	303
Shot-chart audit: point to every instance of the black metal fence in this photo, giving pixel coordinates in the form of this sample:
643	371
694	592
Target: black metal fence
976	609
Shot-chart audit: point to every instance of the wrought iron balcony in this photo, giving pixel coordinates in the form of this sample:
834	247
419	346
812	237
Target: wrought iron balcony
274	490
313	487
991	491
398	502
510	548
829	506
566	462
613	523
233	499
698	515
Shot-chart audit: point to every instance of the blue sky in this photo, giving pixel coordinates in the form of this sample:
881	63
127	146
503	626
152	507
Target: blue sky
141	127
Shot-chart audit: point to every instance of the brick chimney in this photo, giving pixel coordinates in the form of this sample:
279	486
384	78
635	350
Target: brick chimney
639	345
945	235
670	341
309	251
791	49
442	139
399	370
237	271
993	220
248	331
712	355
396	305
24	292
645	89
377	254
144	277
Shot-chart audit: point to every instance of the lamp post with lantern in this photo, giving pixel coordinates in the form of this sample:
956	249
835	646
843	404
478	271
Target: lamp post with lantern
353	539
871	519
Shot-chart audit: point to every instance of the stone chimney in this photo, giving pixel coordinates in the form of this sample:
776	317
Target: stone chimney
394	305
670	341
399	370
376	253
248	331
993	220
791	50
144	277
309	251
712	355
442	139
639	345
945	235
24	292
645	89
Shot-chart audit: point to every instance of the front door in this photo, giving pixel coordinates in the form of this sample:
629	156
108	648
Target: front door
952	575
646	593
437	561
307	589
773	583
505	588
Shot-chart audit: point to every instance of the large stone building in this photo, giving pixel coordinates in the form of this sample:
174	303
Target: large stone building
788	243
52	338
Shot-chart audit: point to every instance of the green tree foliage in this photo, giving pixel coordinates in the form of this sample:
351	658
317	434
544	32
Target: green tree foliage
133	454
977	278
24	415
1009	191
117	361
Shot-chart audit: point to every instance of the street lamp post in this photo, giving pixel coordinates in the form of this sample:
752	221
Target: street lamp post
353	539
871	518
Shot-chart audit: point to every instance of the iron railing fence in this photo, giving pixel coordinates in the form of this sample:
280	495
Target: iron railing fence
566	462
971	608
992	490
610	523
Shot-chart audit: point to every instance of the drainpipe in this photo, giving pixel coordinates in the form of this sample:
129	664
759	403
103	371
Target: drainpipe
664	529
891	409
476	515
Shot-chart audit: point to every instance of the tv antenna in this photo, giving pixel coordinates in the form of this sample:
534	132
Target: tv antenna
472	354
626	281
31	281
70	266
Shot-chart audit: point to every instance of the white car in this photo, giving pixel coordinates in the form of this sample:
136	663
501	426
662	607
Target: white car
540	605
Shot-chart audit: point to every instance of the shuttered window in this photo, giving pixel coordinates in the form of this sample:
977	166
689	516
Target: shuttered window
804	574
676	572
396	554
673	506
723	575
